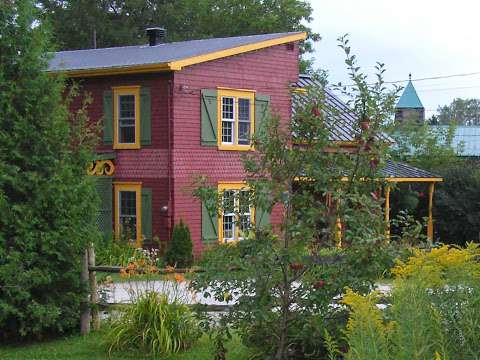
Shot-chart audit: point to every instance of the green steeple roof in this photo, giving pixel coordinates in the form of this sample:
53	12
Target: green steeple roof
409	98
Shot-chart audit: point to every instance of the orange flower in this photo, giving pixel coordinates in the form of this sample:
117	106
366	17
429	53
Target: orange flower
123	273
153	269
179	278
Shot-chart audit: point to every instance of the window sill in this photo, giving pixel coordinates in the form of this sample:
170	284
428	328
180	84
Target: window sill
126	146
236	147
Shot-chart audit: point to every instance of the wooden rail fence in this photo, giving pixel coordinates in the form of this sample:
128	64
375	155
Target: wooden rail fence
90	316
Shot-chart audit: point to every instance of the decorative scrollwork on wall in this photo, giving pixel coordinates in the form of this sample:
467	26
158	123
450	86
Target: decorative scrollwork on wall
101	168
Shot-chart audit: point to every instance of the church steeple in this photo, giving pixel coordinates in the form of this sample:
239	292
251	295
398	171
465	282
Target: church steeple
409	105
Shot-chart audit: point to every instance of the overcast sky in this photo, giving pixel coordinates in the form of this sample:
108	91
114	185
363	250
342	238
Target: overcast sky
425	37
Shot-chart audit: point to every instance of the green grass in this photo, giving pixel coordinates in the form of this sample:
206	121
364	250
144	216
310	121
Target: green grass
91	348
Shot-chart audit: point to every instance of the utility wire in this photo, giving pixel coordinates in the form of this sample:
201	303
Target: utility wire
425	78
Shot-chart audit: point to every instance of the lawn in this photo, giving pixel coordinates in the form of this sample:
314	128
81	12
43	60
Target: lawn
91	348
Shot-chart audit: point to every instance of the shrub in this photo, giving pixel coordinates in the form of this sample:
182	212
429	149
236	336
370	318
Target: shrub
435	308
114	252
180	251
153	325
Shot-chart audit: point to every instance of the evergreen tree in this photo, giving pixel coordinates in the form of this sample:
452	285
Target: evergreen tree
180	251
47	203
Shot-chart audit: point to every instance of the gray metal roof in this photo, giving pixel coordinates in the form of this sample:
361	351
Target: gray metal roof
127	56
395	169
342	119
466	140
343	128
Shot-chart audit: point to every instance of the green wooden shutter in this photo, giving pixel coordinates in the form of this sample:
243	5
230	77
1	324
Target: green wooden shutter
105	193
147	214
145	116
262	110
262	218
209	119
108	117
209	227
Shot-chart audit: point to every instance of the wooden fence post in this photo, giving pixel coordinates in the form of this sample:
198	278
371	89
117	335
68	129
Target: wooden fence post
93	289
84	305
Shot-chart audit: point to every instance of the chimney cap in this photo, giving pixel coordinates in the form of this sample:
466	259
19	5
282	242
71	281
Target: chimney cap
156	35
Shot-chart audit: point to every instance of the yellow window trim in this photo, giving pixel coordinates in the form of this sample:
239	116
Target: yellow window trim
232	185
128	186
126	90
180	64
237	94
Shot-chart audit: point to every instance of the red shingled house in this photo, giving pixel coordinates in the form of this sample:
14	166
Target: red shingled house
171	111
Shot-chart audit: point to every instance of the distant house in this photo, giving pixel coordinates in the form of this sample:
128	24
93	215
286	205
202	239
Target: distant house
172	111
466	139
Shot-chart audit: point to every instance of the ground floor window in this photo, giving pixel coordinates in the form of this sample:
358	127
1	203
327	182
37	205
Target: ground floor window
128	216
236	215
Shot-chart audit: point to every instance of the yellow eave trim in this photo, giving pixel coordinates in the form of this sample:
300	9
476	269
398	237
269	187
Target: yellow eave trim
179	64
414	179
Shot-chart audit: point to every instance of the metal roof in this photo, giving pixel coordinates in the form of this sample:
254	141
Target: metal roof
466	139
342	120
131	56
409	98
398	170
343	128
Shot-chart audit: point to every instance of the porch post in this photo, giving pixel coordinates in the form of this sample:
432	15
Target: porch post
387	212
431	188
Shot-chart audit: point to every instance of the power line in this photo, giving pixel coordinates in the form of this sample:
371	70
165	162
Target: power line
435	77
450	88
425	78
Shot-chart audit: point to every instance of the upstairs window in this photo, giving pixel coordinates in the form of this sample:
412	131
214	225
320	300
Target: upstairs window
126	117
236	119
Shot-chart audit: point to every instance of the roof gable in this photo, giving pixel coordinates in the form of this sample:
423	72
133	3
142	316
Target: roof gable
162	57
409	98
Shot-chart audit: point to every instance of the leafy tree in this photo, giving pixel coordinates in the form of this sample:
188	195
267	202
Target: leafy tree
47	203
180	251
425	146
460	111
113	23
285	280
457	209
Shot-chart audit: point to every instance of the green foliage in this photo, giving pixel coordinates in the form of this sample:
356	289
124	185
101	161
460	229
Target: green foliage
424	146
153	325
460	111
433	311
288	281
179	252
47	202
456	213
114	252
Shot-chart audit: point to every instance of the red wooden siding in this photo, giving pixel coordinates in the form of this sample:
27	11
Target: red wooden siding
149	164
268	71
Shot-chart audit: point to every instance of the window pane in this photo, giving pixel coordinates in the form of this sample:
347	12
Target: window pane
244	133
228	227
128	215
127	106
244	110
227	108
244	121
244	224
228	201
127	134
227	132
126	119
